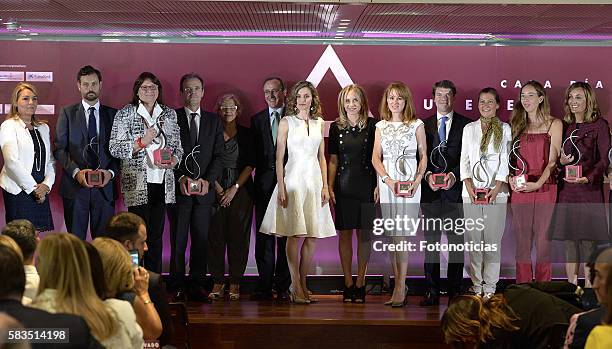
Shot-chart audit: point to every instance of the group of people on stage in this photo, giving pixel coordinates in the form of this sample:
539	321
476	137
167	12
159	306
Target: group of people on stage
199	165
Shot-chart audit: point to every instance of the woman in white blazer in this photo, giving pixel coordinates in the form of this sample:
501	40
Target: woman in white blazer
28	174
484	167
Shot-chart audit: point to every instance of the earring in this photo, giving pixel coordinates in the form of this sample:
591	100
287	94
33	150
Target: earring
312	108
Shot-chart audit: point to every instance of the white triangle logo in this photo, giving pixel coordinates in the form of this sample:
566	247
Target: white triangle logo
329	60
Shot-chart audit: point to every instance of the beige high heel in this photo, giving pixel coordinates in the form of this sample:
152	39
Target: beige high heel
234	296
217	295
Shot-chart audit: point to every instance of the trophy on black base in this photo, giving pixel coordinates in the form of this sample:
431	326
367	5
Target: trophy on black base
193	186
572	171
404	187
439	178
94	177
481	193
520	179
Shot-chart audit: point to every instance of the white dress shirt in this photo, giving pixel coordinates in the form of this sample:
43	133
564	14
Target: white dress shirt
154	173
278	110
96	114
449	121
497	161
197	118
18	152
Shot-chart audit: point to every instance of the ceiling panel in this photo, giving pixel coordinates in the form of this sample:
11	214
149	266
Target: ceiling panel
96	19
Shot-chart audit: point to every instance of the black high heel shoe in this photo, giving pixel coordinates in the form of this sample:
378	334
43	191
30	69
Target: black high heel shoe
359	294
348	294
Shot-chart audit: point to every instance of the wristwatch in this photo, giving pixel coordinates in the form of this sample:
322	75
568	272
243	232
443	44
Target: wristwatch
384	178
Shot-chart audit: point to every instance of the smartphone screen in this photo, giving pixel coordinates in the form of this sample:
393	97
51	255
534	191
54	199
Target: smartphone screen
135	259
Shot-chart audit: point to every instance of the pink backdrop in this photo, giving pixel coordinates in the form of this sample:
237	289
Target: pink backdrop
241	69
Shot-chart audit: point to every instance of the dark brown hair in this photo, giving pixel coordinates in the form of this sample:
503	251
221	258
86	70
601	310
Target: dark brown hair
139	81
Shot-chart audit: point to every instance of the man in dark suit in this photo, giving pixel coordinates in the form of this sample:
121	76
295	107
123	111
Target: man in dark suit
445	129
202	141
81	142
11	291
270	253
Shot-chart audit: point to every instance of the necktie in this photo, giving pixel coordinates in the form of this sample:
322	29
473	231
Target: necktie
275	122
442	129
92	135
193	130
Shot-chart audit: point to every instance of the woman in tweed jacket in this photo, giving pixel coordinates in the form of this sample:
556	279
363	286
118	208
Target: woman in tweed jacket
139	129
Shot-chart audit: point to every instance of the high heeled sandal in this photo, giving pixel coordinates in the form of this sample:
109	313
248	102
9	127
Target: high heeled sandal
234	296
295	299
348	294
217	295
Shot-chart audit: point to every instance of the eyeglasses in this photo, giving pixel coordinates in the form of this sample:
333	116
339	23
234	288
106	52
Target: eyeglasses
191	90
235	107
150	88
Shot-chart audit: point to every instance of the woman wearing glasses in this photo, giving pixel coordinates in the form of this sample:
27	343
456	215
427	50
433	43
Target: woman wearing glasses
232	213
145	136
28	174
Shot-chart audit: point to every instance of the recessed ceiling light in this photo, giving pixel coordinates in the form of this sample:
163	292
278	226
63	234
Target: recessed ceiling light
345	20
340	31
33	34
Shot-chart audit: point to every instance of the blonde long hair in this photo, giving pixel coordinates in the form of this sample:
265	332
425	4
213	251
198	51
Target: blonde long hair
63	265
14	112
342	120
117	266
408	115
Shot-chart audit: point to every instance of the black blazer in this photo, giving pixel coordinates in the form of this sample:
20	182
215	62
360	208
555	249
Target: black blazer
264	156
452	153
79	335
71	139
210	139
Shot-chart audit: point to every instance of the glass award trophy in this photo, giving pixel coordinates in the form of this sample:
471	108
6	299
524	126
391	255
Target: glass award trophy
404	168
95	177
162	155
520	179
193	186
439	178
479	169
573	171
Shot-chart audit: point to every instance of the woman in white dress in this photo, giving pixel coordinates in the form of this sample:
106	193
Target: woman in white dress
399	136
299	207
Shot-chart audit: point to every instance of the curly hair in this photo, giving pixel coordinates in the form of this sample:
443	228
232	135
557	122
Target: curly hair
316	110
472	319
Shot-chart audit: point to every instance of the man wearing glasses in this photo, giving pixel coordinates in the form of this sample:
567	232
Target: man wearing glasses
202	141
269	250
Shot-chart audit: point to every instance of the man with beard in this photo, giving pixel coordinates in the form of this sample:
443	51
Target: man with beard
81	142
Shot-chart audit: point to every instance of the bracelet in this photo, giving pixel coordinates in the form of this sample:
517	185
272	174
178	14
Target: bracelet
140	144
147	301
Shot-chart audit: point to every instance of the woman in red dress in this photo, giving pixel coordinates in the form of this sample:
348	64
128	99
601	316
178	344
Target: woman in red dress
536	145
